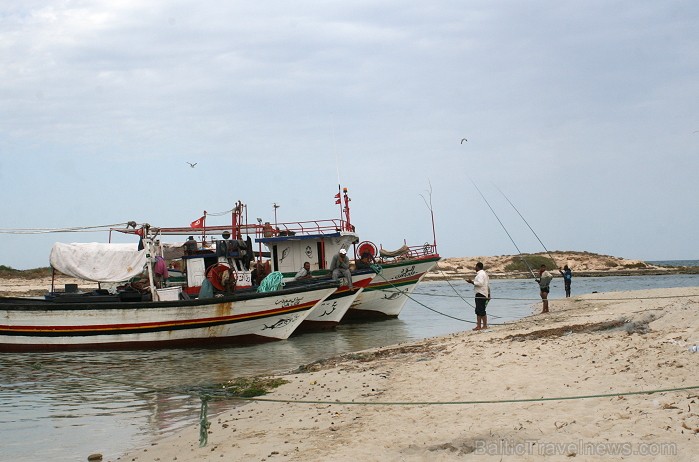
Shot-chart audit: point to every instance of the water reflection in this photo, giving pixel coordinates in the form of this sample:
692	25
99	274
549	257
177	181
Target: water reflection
63	406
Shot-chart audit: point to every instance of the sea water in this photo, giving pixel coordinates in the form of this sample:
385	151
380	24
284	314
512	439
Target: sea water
674	262
65	406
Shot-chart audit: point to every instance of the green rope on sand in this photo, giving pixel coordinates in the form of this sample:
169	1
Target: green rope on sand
204	423
274	281
483	401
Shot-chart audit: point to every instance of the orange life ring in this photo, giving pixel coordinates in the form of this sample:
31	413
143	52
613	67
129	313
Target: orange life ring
367	247
214	273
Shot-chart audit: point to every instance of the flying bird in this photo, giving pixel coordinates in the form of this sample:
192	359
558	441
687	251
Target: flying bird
192	164
462	140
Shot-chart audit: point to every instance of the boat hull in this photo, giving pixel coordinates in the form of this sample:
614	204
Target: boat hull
386	294
27	324
328	313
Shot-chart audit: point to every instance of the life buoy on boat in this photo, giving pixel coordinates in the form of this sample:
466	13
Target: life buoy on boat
367	247
214	274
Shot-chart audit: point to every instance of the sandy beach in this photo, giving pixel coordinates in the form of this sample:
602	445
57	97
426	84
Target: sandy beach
563	385
38	287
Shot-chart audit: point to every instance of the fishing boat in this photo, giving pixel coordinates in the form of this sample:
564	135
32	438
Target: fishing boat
123	313
384	289
247	316
390	288
217	295
292	244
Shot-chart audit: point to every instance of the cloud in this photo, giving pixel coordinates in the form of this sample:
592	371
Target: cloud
574	108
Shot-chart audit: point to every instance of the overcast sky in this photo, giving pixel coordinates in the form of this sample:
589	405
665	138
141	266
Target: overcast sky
584	113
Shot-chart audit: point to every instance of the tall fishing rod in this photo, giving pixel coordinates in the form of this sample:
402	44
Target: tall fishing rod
429	207
503	227
527	223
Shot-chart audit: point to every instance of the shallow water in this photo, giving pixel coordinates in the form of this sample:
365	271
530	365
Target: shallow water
64	406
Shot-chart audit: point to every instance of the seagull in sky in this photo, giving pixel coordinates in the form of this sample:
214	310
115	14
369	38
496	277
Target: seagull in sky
192	164
462	140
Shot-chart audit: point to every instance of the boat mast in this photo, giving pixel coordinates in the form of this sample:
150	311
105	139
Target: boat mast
148	245
348	223
428	203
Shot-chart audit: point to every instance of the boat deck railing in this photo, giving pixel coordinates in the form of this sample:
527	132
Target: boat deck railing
327	226
409	252
306	228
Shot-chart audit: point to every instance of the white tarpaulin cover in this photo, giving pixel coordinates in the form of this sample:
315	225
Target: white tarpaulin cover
98	262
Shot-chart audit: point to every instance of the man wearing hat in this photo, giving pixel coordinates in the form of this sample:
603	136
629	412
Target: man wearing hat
190	246
339	266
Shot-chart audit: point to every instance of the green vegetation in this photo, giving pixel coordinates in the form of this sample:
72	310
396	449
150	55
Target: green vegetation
534	261
251	387
9	272
638	265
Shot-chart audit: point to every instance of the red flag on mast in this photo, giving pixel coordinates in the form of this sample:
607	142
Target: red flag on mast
198	223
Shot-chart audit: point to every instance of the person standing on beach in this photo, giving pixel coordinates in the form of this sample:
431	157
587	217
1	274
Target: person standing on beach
481	286
567	278
544	281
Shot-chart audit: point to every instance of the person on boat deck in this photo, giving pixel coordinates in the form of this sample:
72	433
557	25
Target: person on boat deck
481	286
567	278
160	272
228	280
258	273
304	272
544	281
190	246
364	262
339	266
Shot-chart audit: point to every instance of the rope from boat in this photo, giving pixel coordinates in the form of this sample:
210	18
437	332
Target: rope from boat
204	423
482	401
217	393
574	299
403	292
272	282
74	229
218	214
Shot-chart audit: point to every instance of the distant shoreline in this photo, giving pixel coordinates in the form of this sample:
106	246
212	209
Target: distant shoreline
583	264
435	275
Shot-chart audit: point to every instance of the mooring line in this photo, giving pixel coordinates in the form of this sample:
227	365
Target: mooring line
221	394
408	295
483	401
573	299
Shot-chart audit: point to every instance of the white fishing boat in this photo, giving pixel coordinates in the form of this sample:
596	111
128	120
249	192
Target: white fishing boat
124	313
390	288
292	244
91	322
331	311
384	289
220	294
